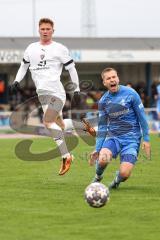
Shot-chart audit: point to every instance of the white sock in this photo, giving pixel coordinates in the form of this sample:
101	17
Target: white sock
57	134
157	125
73	125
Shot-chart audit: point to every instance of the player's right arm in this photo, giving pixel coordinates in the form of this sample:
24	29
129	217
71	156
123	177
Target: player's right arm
21	72
23	67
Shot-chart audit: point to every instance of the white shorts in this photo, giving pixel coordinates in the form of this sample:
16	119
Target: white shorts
50	101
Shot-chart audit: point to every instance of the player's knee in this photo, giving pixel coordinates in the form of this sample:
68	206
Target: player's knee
47	124
104	158
102	162
125	174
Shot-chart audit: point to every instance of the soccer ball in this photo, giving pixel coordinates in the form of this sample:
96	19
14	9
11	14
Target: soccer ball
96	195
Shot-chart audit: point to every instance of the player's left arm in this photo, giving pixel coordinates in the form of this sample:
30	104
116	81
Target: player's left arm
139	110
69	65
101	134
74	78
102	127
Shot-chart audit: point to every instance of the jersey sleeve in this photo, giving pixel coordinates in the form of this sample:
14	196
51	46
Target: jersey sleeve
139	110
21	72
74	77
26	56
102	127
70	66
65	58
23	67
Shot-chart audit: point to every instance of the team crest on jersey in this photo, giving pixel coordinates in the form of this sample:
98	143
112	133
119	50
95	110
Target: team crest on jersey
108	101
42	56
122	102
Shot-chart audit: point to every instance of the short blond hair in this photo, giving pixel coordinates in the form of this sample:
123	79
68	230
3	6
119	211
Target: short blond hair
108	69
46	20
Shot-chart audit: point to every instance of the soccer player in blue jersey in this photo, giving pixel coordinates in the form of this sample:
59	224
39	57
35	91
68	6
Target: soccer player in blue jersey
121	125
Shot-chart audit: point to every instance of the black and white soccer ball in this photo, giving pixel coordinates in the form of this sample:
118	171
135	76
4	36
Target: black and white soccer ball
96	195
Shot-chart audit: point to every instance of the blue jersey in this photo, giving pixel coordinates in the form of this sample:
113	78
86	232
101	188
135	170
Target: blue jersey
121	116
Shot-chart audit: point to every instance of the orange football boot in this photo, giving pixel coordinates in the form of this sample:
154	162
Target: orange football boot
66	163
89	128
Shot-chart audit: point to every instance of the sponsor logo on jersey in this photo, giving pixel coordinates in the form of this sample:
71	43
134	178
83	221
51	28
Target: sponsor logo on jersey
116	114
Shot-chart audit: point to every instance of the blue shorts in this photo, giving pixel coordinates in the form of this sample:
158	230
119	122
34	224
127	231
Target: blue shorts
128	150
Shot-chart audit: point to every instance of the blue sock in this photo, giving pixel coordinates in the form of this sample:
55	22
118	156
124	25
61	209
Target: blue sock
99	169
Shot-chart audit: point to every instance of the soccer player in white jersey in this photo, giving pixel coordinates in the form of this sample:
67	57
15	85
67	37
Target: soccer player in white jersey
45	60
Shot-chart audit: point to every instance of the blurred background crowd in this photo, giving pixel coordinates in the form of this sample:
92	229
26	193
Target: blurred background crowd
89	100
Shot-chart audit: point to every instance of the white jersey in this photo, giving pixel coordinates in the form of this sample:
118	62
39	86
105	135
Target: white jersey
46	63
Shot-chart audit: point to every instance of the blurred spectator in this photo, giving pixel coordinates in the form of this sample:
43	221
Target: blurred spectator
4	119
142	91
153	99
158	100
96	95
129	84
158	105
67	106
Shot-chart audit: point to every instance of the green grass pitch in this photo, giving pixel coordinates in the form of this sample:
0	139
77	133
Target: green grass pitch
36	203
